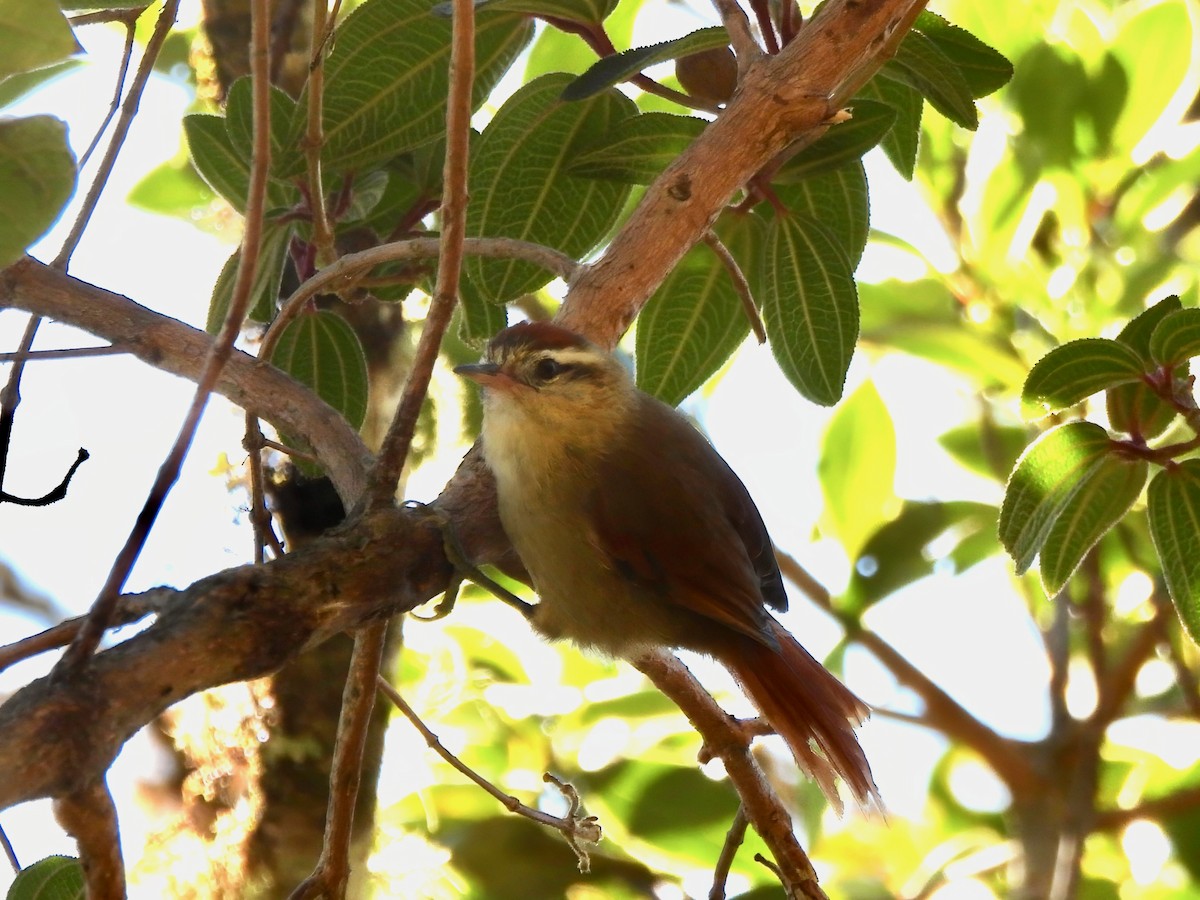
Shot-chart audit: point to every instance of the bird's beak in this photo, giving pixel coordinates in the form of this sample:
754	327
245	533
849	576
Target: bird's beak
485	374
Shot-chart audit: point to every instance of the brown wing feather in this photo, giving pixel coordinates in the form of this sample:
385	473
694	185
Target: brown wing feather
657	523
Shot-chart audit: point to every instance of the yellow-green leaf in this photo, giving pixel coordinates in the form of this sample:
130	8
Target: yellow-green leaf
1076	370
1174	511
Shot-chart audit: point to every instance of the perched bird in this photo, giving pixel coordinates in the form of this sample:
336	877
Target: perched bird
638	535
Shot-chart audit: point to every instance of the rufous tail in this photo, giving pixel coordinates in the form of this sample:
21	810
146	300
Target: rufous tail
810	709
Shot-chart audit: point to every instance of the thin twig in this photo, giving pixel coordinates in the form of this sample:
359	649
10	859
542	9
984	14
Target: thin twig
803	579
762	12
66	353
260	516
9	852
574	828
314	138
733	840
332	871
740	285
54	494
1058	651
129	108
89	816
344	273
130	23
725	739
393	450
10	397
89	636
734	18
104	16
131	608
1121	678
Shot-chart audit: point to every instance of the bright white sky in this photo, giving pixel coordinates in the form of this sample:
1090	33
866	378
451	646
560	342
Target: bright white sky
126	414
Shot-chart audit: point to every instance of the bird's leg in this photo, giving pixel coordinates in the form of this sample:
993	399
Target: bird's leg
464	568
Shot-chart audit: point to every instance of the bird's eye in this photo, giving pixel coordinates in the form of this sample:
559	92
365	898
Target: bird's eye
547	369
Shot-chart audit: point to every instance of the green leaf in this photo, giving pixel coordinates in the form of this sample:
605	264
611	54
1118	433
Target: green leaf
37	171
838	199
1173	503
321	350
521	186
387	77
480	318
695	320
810	306
265	289
858	468
33	34
1103	497
1138	411
52	878
1138	330
223	169
1176	339
843	143
920	64
618	67
1076	370
903	140
1154	77
174	188
898	553
1045	479
638	148
984	447
239	119
1048	92
984	69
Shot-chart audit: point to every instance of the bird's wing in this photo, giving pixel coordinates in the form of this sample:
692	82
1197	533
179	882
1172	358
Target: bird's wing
681	524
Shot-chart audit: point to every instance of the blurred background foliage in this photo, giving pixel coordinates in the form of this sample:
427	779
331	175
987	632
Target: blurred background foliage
1071	209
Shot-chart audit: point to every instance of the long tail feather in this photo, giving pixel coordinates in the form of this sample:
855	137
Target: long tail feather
810	709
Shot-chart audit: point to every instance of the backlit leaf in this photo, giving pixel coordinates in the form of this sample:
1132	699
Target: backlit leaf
1176	339
1174	511
837	199
52	878
843	143
638	148
919	63
1103	497
33	34
984	69
37	170
265	289
903	139
1076	370
1046	477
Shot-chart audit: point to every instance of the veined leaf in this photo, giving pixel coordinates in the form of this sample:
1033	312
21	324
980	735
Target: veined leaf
858	468
321	350
903	140
843	143
219	164
1174	511
984	69
1103	497
480	318
1046	477
387	77
614	69
1138	411
638	148
1137	331
265	289
521	186
1176	339
37	170
585	12
919	63
239	119
810	306
52	878
695	319
838	200
1076	370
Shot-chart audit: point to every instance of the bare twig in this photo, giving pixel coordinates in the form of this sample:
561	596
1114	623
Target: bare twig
260	516
131	608
67	353
725	738
103	16
89	816
314	138
89	636
762	12
332	871
9	852
129	108
740	284
733	840
393	450
791	569
10	397
733	17
343	274
578	830
130	22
